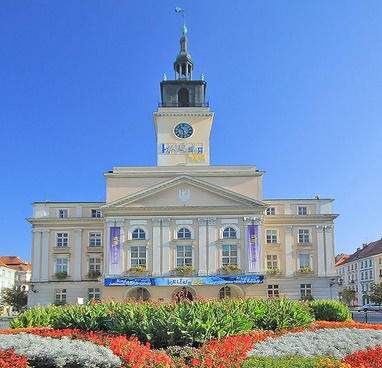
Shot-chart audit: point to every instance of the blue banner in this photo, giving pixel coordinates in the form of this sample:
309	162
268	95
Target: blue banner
184	281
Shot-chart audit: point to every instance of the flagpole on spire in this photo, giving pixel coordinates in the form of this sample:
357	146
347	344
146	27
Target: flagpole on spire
181	11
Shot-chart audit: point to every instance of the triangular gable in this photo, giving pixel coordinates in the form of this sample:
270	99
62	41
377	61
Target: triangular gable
174	192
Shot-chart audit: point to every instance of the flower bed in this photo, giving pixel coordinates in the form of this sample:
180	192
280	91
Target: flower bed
226	352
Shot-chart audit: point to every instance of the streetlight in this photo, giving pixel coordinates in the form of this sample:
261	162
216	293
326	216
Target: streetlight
332	282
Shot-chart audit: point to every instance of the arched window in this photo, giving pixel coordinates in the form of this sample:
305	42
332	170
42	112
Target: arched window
183	97
139	234
140	294
225	292
184	233
229	233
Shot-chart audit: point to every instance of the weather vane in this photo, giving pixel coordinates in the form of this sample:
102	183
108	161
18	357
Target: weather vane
181	11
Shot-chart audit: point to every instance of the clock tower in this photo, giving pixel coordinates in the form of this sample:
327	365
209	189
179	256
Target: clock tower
183	121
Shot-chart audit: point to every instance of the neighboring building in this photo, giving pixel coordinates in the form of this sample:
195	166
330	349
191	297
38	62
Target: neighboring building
7	280
210	222
361	270
23	270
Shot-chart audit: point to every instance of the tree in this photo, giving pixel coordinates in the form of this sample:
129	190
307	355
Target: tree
15	296
375	294
348	295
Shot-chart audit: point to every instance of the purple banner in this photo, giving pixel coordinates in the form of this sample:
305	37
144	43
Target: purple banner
253	249
115	250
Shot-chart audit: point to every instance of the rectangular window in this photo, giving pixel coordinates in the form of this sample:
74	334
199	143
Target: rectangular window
273	291
303	236
370	274
306	290
304	260
272	261
60	296
229	254
138	256
271	236
62	265
94	293
95	264
62	239
370	263
183	255
302	210
63	214
95	239
96	213
361	264
271	211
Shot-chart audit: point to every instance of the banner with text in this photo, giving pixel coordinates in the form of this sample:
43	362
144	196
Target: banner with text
253	249
115	263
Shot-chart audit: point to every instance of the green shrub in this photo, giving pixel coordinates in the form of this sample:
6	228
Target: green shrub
330	310
290	361
37	317
183	324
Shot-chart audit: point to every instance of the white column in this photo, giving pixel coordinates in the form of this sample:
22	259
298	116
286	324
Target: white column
211	246
156	247
329	250
36	252
109	224
166	246
77	261
45	264
202	246
320	252
288	251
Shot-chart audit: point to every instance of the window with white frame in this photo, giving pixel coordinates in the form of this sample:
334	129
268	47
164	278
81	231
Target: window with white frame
304	260
273	291
138	234
183	255
271	211
95	239
306	290
60	296
138	256
62	240
225	292
271	236
62	213
229	233
62	265
94	293
229	254
96	213
303	236
184	233
302	210
94	264
272	261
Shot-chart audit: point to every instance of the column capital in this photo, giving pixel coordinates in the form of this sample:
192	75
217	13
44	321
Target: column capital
166	221
78	231
202	221
211	221
119	222
156	222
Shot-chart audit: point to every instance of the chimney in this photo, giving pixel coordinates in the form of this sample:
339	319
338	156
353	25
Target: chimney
364	245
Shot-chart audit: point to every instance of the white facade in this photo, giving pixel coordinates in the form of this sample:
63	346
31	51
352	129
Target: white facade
183	212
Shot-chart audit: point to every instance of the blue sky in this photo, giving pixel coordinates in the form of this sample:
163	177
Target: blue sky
296	87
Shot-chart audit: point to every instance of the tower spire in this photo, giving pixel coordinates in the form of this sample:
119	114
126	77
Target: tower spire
183	64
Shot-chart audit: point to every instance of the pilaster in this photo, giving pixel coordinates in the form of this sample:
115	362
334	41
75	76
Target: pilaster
288	251
156	247
77	255
202	246
166	246
45	266
211	246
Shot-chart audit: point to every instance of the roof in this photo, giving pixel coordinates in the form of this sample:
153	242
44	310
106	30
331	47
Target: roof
15	263
368	250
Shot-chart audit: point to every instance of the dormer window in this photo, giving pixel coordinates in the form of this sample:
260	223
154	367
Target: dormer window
302	210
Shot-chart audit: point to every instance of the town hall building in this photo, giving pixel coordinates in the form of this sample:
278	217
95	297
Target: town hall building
182	227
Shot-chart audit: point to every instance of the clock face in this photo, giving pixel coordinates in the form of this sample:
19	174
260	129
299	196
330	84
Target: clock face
183	130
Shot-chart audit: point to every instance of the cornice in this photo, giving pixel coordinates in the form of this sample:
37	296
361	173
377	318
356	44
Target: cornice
71	221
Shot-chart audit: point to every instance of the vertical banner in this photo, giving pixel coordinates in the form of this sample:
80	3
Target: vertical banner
115	250
253	249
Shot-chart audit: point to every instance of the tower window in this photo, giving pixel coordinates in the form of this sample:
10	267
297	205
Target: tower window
183	97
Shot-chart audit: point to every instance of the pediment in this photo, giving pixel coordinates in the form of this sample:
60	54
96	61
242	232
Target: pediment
184	191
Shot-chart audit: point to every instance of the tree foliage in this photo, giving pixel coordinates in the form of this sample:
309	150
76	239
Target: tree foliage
375	294
348	295
15	296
